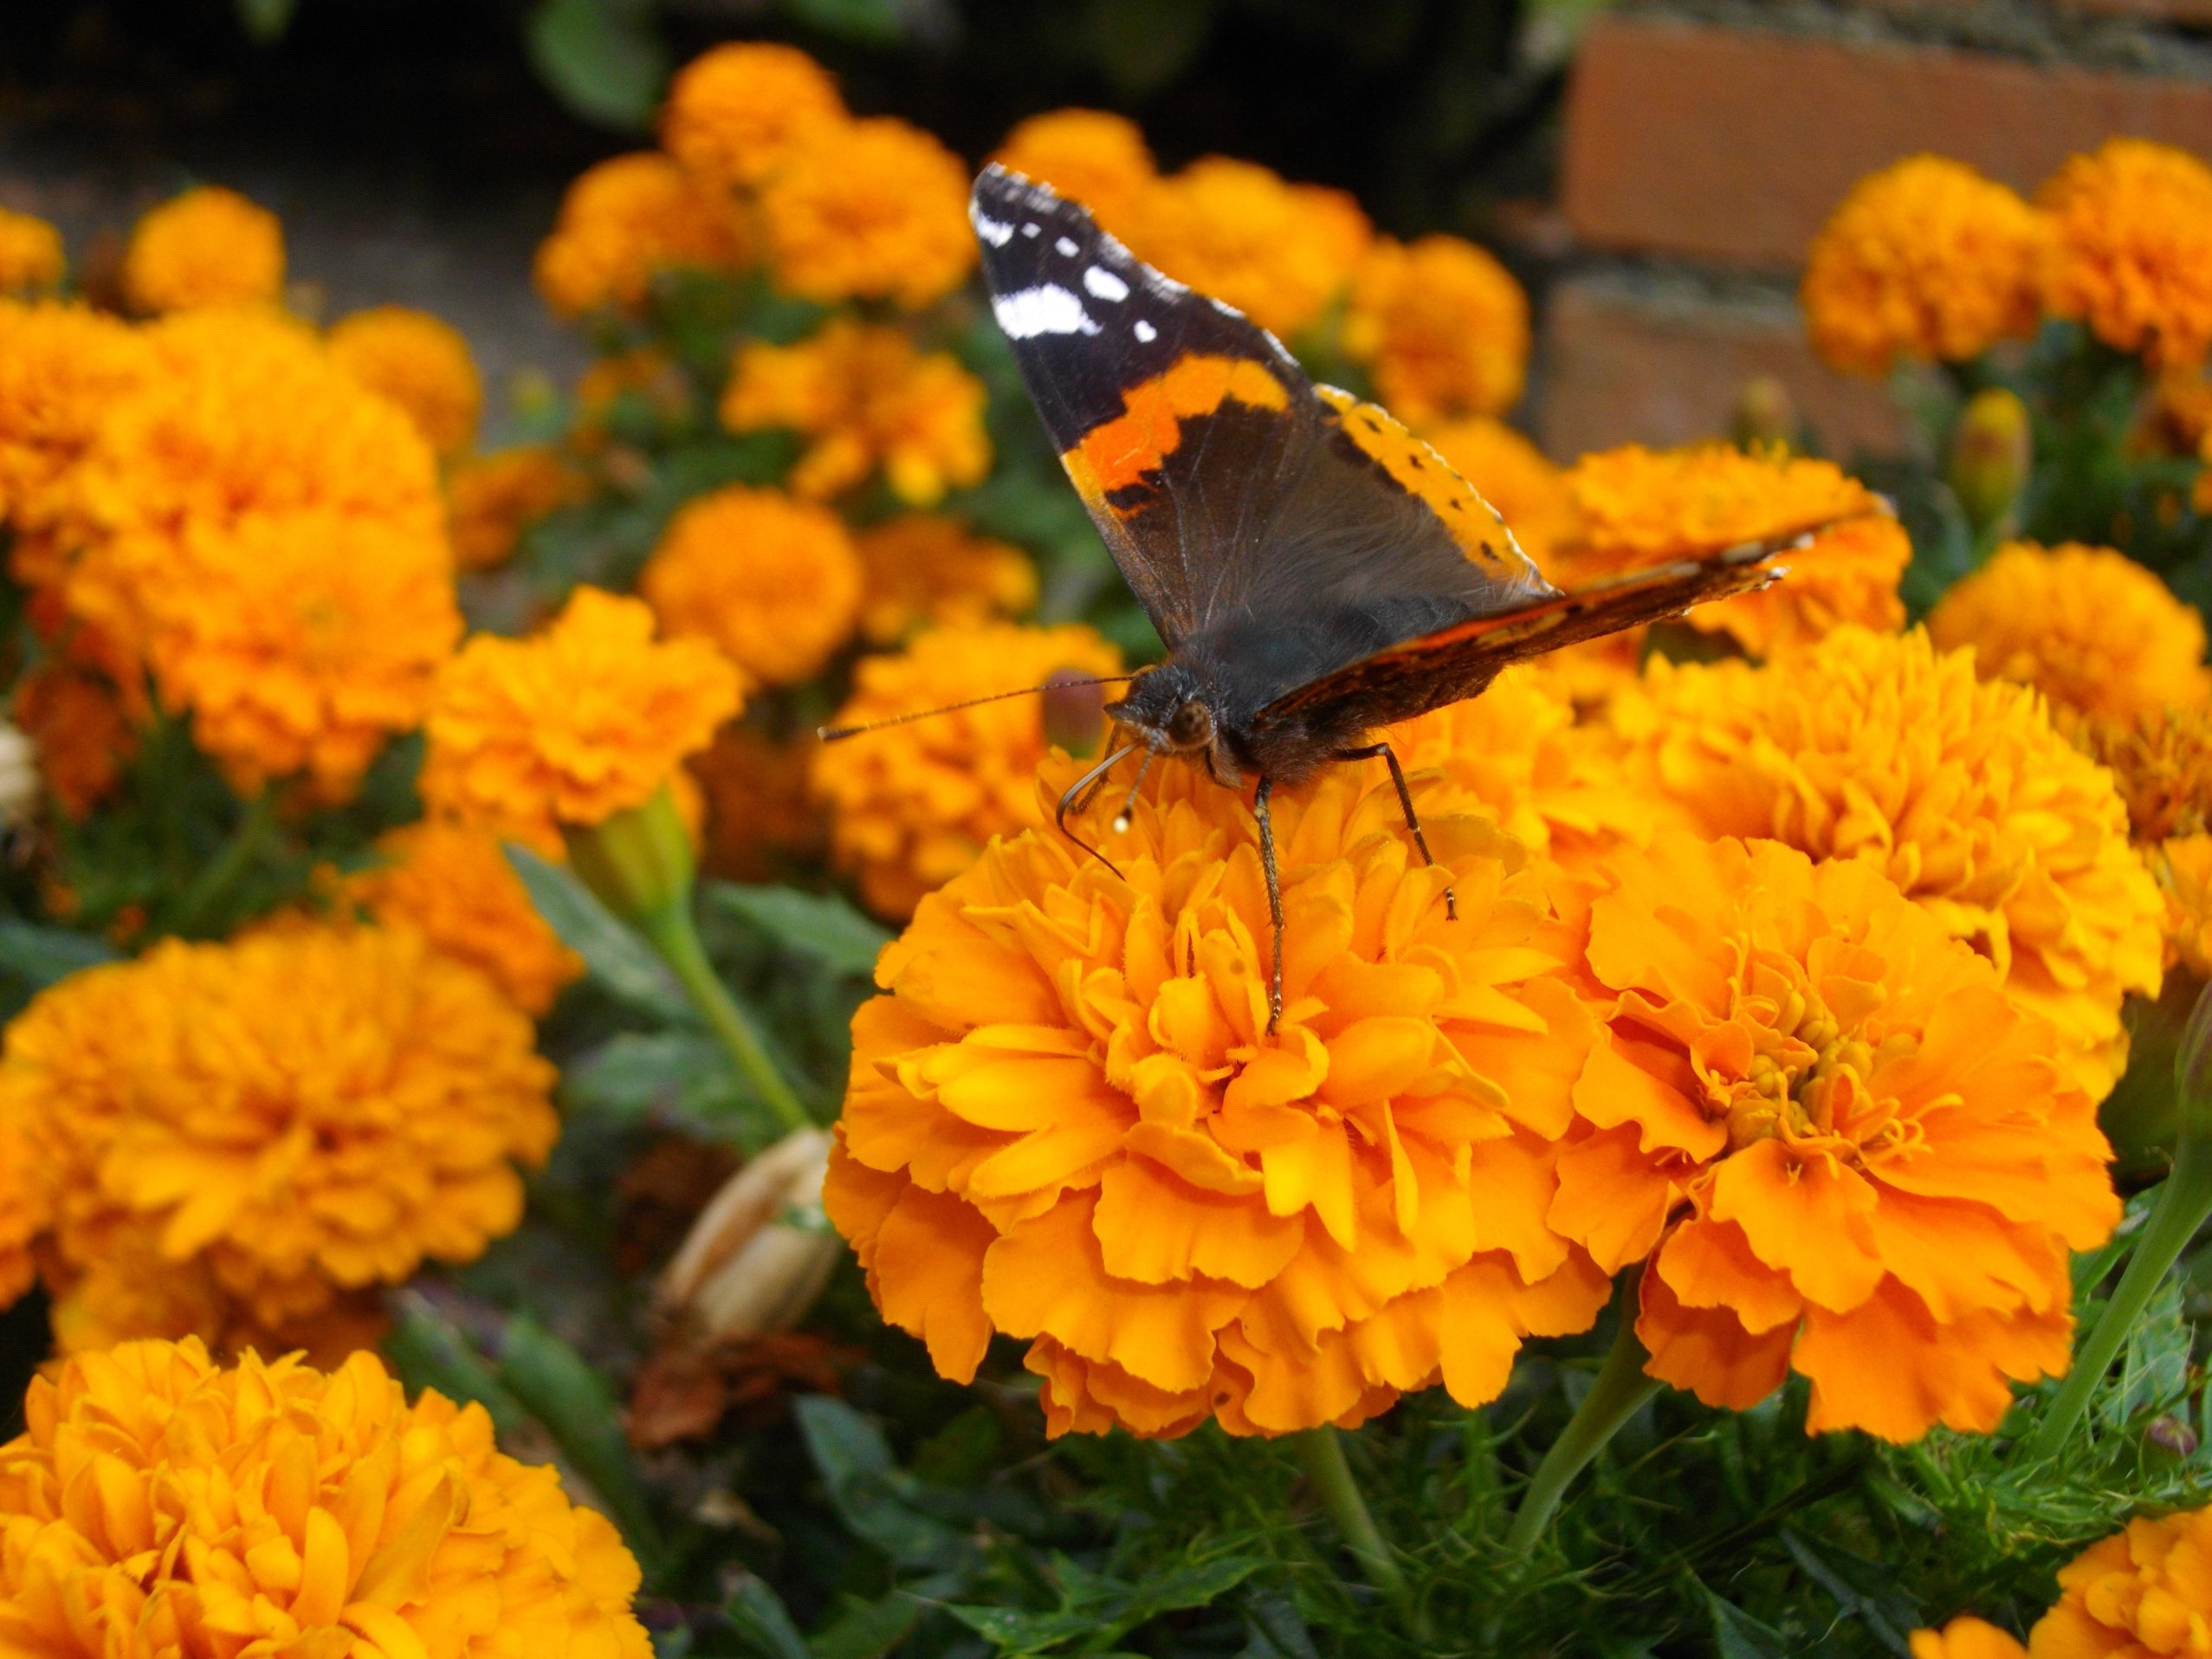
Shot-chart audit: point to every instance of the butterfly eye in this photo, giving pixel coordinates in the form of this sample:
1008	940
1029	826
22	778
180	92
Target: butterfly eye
1190	726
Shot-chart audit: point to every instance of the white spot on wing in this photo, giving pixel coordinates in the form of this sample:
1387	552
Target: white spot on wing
1105	284
1067	247
1032	229
997	232
1047	309
1145	332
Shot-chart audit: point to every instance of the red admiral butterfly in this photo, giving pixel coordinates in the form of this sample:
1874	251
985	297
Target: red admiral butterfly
1314	569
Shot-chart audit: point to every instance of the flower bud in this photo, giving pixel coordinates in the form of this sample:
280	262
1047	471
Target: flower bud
2193	1069
1766	415
761	1250
1073	711
639	862
19	781
1992	451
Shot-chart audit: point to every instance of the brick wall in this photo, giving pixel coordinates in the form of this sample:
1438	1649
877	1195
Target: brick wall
1698	150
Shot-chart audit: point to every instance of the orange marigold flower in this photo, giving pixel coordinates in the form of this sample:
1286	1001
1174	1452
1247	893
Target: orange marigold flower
1640	506
2091	629
773	583
1967	1638
2133	222
865	398
571	725
1067	1124
492	499
208	246
2143	1591
1444	325
30	253
61	368
2161	760
2184	867
1514	477
1877	748
760	815
912	807
1844	1150
420	362
367	1515
23	1214
737	113
924	569
306	1110
1236	231
77	726
1090	156
454	886
626	219
870	210
1927	260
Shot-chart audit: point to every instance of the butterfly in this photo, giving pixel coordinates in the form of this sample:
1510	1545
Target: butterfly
1314	570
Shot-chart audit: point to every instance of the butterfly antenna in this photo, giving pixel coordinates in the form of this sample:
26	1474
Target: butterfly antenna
1129	801
1068	799
836	734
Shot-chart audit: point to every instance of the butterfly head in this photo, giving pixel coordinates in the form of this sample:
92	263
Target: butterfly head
1170	710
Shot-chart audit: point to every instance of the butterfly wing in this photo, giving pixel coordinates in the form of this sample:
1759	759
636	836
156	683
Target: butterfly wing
1223	480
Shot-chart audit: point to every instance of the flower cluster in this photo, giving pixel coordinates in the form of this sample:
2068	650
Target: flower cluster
320	1509
773	583
420	363
210	247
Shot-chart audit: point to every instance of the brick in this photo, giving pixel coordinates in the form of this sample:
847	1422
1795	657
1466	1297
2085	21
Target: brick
1633	361
1707	143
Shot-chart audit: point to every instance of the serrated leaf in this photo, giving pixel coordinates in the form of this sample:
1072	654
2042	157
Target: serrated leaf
1866	1591
43	956
1736	1635
761	1620
633	1072
869	1491
427	1351
820	925
578	1409
619	963
603	59
1274	1630
865	1629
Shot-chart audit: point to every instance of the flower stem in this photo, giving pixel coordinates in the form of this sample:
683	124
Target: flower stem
2182	1206
670	930
220	874
1321	1453
1620	1391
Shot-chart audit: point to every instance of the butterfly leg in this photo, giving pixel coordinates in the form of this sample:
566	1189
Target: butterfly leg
1274	899
1406	804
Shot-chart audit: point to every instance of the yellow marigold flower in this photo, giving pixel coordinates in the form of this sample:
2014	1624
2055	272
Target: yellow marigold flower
737	113
2091	629
759	816
626	219
1967	1638
912	807
1066	1121
492	499
1236	231
1925	259
454	886
305	1110
275	1498
870	210
30	253
2143	1591
2133	221
208	246
2161	760
1640	506
1513	475
924	568
1879	748
571	725
773	583
421	363
266	536
77	725
1844	1150
1090	156
23	1214
61	368
865	398
1444	325
2184	867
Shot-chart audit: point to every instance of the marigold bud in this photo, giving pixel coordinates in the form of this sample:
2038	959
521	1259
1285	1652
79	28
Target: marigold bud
1992	449
760	1251
1766	415
638	862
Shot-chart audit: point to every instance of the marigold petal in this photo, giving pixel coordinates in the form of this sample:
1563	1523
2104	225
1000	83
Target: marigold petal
1709	1264
1708	1351
1156	1229
928	1272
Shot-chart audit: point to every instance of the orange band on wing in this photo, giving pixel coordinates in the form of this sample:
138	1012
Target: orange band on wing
1120	452
1419	470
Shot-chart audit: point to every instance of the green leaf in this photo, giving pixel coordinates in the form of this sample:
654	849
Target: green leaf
1736	1635
43	956
265	21
620	962
603	59
633	1072
759	1614
871	22
1144	44
820	925
427	1351
1097	1609
864	1630
874	1498
579	1409
1866	1591
1275	1631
